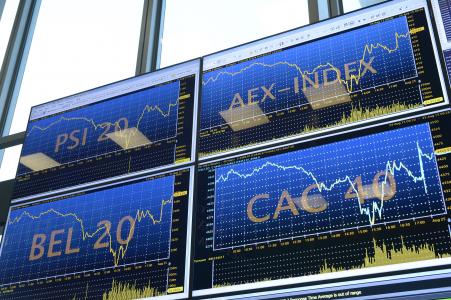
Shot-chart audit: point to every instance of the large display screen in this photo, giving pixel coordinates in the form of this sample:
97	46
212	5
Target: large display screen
122	241
301	165
373	201
137	124
375	63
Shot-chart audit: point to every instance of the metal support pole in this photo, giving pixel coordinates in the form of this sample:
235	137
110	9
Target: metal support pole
318	10
150	38
13	68
15	60
2	6
335	8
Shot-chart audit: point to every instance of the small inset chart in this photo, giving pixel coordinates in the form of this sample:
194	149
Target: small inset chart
290	87
103	136
366	202
107	235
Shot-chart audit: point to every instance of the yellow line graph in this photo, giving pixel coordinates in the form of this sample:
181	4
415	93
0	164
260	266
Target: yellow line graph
116	253
354	78
128	134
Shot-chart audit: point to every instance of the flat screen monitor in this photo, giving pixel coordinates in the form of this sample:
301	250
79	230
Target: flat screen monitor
367	204
145	122
370	65
125	240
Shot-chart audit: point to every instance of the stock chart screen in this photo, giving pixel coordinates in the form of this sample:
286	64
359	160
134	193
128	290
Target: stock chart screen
371	202
141	123
123	241
371	64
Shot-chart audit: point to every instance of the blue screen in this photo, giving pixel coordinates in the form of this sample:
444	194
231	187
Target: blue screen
356	75
108	228
387	43
152	112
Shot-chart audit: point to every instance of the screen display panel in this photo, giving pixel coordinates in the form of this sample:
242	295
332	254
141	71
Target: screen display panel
373	201
120	241
133	125
375	63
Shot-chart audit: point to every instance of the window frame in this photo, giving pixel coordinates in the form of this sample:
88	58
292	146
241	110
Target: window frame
147	58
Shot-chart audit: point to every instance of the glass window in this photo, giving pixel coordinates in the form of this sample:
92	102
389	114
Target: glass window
350	5
78	45
198	27
9	162
6	24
